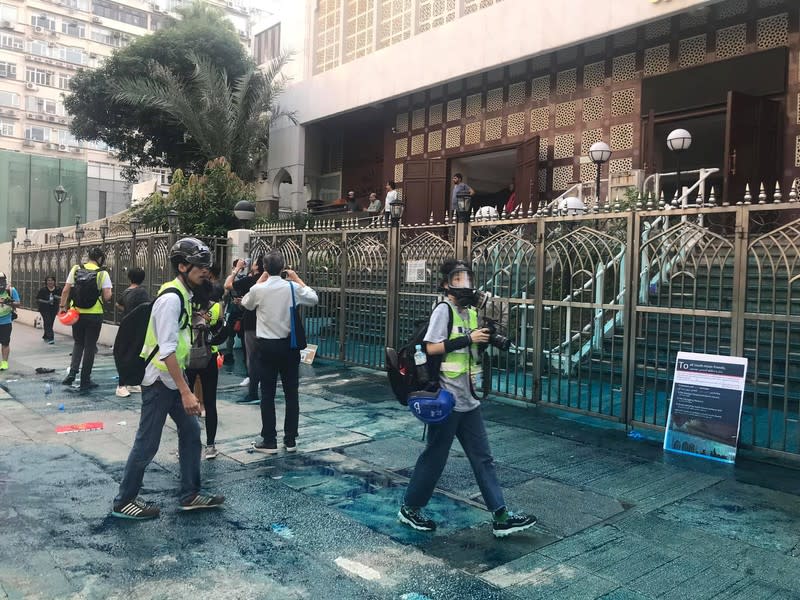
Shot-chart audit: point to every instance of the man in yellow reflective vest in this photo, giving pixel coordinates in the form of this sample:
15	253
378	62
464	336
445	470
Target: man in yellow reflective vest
87	289
458	347
165	390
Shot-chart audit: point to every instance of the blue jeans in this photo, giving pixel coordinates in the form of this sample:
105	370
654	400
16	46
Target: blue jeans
468	428
158	401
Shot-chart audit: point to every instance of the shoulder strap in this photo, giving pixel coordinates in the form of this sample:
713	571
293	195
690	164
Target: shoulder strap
449	316
183	319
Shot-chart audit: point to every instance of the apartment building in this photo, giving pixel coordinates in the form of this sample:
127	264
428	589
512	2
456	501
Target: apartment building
518	90
43	43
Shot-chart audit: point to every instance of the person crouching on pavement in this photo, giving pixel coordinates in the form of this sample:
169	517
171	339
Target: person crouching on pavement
271	298
9	300
166	392
459	347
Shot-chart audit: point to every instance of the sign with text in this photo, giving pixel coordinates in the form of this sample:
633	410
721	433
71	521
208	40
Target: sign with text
705	410
416	271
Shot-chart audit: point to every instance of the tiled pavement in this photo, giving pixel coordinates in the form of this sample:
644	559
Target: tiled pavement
617	518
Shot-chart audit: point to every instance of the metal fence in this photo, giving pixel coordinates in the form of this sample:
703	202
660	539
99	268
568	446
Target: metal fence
598	305
150	251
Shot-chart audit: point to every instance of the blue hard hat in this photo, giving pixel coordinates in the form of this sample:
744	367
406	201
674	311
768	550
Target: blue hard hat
431	407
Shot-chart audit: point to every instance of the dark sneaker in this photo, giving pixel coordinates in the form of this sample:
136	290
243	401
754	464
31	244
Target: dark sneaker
290	445
266	447
69	379
137	509
201	500
415	519
508	522
89	385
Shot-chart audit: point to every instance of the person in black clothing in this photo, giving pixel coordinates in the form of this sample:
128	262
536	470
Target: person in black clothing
47	298
240	282
132	297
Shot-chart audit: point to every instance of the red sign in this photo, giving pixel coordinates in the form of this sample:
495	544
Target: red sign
92	426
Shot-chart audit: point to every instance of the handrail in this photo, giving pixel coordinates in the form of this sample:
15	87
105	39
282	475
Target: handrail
704	173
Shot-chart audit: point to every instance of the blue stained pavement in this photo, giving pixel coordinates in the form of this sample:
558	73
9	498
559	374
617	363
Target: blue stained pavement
617	517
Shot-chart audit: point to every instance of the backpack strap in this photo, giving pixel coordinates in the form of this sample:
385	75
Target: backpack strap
183	319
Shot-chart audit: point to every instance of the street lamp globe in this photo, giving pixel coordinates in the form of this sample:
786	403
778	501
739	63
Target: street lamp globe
679	140
172	221
133	224
463	206
244	210
599	152
396	209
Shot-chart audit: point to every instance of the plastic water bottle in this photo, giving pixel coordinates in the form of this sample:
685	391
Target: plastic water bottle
421	364
48	389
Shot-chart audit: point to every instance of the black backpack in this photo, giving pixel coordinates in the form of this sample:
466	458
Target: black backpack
130	339
400	367
86	290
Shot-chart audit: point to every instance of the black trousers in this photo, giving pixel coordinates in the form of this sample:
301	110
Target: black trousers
208	379
275	357
85	333
48	316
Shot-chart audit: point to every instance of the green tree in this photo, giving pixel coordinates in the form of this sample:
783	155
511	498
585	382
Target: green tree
204	202
146	136
220	118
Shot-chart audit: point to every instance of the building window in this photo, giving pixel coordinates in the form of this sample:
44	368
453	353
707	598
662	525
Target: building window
44	21
39	76
8	69
102	204
38	48
78	4
11	41
117	12
41	105
6	128
63	81
158	22
9	98
65	138
358	28
74	29
73	55
8	13
37	133
267	44
328	35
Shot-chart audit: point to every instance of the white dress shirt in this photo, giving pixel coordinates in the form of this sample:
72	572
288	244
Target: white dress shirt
165	315
272	300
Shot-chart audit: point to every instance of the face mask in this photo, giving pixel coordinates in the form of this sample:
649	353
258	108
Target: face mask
461	287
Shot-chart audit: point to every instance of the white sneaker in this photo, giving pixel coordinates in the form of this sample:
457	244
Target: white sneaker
122	391
211	452
135	389
245	382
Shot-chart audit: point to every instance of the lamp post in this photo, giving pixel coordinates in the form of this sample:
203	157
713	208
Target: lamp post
678	141
599	153
60	194
104	232
79	233
463	214
245	211
133	224
59	240
27	242
172	222
393	305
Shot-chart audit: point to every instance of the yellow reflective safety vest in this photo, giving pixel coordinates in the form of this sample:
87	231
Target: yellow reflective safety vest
6	309
216	313
456	363
184	331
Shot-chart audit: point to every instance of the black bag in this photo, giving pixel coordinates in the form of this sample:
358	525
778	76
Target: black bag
298	331
86	290
130	339
200	351
403	377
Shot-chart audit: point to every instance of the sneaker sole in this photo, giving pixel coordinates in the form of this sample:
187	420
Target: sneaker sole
211	456
265	450
290	449
411	523
501	533
120	515
200	506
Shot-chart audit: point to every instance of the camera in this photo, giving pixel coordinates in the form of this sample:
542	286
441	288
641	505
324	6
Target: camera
284	274
496	337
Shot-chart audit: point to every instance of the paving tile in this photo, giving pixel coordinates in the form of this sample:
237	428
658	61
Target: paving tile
670	576
518	570
706	584
622	593
563	581
756	589
562	509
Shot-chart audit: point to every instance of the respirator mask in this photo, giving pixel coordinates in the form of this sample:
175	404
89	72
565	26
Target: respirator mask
460	285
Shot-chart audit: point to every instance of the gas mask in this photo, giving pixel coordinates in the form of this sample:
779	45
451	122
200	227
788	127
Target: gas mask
3	285
460	285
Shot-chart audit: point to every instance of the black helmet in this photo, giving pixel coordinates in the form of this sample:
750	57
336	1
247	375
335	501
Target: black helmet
97	254
190	251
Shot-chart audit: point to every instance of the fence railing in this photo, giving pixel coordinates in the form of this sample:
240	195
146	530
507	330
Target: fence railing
598	305
150	251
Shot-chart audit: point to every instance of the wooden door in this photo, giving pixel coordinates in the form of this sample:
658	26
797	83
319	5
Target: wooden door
424	189
752	145
526	181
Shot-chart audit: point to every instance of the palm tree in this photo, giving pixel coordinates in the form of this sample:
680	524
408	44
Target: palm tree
220	118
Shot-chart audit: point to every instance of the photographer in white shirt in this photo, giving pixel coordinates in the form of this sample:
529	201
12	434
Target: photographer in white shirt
271	298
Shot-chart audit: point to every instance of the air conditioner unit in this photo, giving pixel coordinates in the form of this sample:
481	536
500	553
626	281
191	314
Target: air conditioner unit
6	24
52	146
38	29
63	148
62	120
76	150
28	143
31	86
97	20
51	45
54	34
51	119
92	55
